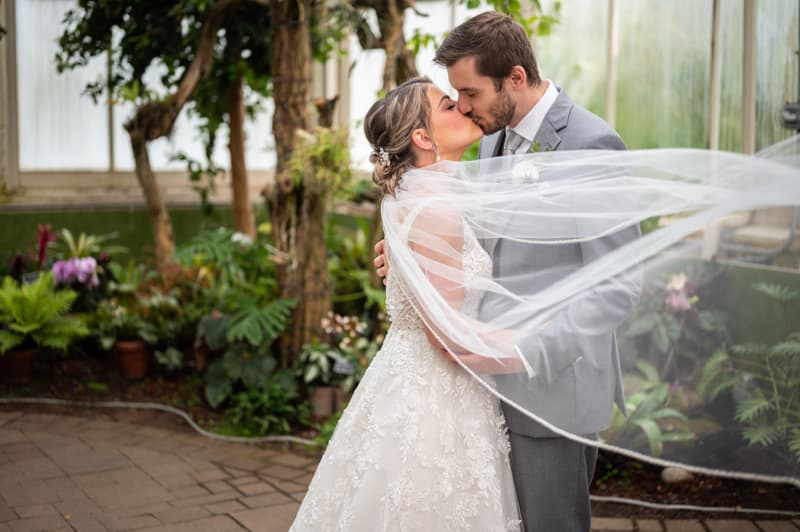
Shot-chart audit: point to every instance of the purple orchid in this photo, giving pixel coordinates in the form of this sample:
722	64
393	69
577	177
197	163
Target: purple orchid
84	270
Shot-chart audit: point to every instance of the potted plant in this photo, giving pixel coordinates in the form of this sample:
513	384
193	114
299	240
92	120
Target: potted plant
315	367
122	327
333	368
33	315
211	336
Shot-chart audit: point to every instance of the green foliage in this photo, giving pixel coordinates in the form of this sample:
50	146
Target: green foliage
147	36
315	363
350	266
202	175
321	161
261	325
240	365
650	422
764	380
122	319
717	376
540	23
36	314
244	339
212	330
233	266
170	358
779	293
673	327
650	224
343	354
327	428
242	315
250	366
87	245
267	409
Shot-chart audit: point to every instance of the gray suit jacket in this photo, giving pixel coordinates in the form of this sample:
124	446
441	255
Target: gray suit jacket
577	378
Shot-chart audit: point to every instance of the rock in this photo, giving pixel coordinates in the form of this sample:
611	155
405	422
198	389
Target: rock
674	475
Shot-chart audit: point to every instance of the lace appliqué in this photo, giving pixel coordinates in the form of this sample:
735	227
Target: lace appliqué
421	446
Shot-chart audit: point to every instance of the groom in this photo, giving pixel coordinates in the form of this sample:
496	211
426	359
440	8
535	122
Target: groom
573	381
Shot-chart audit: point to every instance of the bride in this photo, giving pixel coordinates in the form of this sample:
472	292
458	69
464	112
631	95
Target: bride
422	445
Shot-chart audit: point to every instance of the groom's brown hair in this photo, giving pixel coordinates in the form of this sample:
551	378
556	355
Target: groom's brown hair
497	43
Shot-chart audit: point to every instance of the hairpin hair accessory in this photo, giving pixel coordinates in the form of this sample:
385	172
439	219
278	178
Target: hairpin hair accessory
381	154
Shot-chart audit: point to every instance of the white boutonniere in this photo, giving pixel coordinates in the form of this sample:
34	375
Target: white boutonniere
524	172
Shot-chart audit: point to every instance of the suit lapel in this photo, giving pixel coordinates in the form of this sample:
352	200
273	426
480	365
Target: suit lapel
547	138
497	151
492	145
556	119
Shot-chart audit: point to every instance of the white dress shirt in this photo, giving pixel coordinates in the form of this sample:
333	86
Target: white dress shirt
529	126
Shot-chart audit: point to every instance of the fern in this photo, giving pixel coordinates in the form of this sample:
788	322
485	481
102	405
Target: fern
750	409
764	433
9	340
259	326
716	377
794	443
58	333
36	313
778	292
749	349
788	348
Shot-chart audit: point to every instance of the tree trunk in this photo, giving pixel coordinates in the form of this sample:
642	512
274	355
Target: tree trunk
157	209
297	214
155	119
242	210
2	29
400	62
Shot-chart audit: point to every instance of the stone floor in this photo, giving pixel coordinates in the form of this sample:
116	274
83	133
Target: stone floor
65	472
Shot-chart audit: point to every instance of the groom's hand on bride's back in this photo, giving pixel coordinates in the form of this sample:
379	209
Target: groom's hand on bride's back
381	266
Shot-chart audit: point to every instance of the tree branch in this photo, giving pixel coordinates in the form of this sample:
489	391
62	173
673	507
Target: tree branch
2	29
155	119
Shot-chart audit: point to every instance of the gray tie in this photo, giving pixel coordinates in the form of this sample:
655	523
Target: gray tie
513	142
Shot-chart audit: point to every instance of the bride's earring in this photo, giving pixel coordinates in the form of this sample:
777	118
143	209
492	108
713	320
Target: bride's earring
436	150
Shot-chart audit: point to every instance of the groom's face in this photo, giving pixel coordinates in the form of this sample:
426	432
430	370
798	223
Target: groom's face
478	98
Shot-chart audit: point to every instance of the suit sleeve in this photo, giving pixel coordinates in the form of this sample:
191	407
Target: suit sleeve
600	310
572	332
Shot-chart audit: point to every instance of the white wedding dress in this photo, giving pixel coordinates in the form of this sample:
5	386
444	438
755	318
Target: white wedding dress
422	445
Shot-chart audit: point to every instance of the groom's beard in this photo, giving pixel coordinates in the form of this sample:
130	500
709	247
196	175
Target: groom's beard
500	114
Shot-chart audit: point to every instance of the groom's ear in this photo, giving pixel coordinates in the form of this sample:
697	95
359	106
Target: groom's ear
421	139
518	78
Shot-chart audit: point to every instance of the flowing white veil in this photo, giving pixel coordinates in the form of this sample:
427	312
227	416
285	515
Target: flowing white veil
707	345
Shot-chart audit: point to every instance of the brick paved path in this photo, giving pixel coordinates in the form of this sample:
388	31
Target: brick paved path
67	472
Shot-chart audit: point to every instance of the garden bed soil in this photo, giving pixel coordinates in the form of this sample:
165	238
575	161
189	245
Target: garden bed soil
93	378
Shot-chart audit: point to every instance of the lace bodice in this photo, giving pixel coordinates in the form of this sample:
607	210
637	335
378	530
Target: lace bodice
475	263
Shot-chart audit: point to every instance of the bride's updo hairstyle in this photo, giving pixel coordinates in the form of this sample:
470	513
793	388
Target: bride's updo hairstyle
388	127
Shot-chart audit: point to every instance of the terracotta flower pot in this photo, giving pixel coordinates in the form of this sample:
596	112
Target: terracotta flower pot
340	399
201	356
16	366
133	357
323	401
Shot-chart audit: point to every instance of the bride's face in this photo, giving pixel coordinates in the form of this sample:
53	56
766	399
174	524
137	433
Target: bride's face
452	132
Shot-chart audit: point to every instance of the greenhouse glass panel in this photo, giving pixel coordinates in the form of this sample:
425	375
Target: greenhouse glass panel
59	127
664	57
